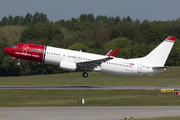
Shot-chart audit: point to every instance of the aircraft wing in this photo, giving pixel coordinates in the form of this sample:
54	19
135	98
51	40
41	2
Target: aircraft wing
90	65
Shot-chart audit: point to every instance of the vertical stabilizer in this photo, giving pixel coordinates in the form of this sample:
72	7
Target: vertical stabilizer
159	55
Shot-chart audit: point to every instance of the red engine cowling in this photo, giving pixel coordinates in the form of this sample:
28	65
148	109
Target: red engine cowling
67	65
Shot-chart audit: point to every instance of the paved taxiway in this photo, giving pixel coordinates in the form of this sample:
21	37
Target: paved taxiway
87	113
145	87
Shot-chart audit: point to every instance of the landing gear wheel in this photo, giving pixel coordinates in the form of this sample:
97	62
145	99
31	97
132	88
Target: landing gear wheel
85	74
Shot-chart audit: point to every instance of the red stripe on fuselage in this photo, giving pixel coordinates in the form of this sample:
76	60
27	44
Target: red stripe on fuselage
27	51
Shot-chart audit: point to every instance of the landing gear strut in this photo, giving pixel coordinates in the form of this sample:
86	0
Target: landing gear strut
18	61
85	74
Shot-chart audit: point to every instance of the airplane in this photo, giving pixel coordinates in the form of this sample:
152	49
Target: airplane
77	60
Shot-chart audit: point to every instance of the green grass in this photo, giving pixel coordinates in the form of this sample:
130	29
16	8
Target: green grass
41	98
170	77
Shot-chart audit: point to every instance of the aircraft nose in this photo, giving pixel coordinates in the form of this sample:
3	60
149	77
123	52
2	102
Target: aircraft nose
5	50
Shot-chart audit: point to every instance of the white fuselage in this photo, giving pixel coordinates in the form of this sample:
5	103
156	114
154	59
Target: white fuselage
116	66
76	60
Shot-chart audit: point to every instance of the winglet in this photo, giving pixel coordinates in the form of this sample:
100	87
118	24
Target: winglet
171	38
115	52
109	53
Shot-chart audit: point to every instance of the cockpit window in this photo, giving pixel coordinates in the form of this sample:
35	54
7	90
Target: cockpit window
14	46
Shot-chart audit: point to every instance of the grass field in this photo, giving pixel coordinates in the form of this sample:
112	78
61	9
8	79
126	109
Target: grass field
170	77
41	98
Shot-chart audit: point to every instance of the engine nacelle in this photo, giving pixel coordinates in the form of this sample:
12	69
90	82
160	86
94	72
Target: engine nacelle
67	65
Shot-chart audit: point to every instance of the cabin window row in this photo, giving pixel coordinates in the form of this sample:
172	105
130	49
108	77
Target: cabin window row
74	57
33	50
145	67
119	64
80	58
50	53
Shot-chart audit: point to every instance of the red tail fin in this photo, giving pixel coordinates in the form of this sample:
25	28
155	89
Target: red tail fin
115	52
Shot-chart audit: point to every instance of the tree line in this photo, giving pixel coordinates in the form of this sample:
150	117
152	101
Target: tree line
87	33
28	20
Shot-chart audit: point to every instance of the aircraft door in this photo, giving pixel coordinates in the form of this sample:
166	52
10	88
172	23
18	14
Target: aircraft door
139	68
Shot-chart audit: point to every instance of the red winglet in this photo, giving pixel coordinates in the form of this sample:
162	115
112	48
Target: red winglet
109	53
115	52
171	38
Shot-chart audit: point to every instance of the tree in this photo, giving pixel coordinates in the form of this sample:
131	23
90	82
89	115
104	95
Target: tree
27	20
39	18
74	21
103	18
42	31
83	18
10	20
9	67
4	21
117	20
64	24
16	20
91	18
96	38
123	43
79	46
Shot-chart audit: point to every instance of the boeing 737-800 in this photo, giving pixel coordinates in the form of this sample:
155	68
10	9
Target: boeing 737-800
76	60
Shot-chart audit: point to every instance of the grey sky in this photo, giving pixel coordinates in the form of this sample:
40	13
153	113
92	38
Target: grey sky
66	9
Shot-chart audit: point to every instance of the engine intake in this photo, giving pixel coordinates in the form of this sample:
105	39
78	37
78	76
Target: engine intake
67	65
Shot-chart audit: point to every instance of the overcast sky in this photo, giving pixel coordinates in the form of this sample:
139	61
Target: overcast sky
66	9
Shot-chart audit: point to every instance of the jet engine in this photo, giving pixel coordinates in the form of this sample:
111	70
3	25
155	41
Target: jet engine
67	65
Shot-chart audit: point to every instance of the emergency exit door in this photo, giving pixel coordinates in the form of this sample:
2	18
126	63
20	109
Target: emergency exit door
139	68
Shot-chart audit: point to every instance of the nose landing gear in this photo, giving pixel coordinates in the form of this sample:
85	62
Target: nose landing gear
85	74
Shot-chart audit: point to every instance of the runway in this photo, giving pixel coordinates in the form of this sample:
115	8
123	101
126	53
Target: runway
123	87
87	113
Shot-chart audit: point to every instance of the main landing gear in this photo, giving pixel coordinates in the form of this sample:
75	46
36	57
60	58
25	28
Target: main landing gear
85	74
